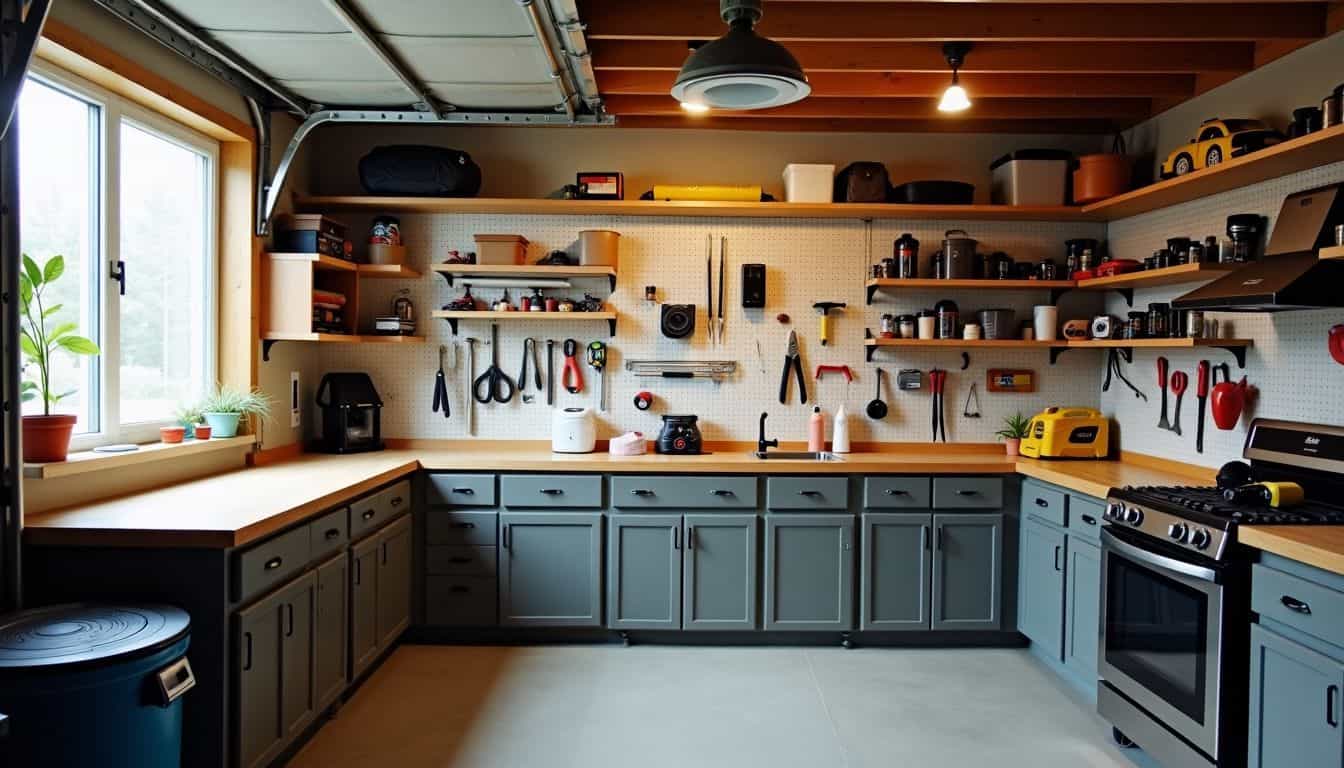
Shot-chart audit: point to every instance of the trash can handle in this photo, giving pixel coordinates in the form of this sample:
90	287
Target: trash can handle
175	680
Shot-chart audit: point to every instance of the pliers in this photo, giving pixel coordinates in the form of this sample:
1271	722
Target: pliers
792	360
937	383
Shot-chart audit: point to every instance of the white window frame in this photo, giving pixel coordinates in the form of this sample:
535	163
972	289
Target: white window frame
114	111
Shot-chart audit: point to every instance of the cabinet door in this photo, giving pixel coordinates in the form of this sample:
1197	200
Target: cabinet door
394	581
718	589
550	569
894	587
257	640
330	630
1082	607
1295	704
809	572
644	572
363	605
297	704
1040	585
967	554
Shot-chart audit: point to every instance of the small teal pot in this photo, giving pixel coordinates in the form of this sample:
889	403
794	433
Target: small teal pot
222	424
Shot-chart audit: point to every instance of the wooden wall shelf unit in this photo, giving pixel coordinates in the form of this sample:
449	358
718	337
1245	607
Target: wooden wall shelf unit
1057	347
453	316
1152	278
387	271
891	284
451	272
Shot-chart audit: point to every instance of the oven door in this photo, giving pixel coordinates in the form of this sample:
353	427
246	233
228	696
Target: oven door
1160	634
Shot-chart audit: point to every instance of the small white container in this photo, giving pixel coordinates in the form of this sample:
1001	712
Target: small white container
840	431
928	326
808	182
971	331
1045	321
573	431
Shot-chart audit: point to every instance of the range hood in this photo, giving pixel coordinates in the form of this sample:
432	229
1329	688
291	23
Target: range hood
1290	276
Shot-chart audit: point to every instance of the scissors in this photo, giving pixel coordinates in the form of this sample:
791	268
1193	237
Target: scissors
494	384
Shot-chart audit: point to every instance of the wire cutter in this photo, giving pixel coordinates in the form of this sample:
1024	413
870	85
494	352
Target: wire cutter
792	360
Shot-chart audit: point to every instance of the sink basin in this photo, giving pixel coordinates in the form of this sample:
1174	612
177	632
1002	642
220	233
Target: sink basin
798	455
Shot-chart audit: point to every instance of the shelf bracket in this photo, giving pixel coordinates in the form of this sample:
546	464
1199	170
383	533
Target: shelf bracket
1058	293
872	289
1238	351
611	282
611	328
449	277
1128	294
452	324
266	345
965	360
868	350
1055	352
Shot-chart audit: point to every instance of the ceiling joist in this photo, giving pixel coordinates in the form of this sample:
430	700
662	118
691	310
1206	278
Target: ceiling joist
871	125
916	108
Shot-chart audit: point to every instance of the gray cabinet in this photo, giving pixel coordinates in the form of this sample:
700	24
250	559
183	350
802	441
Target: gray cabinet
894	586
297	705
967	569
1082	606
550	567
363	605
1295	704
1040	584
330	630
644	571
394	581
274	670
809	572
719	572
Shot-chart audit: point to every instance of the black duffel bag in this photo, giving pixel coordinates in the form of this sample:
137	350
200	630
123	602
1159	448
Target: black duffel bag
419	171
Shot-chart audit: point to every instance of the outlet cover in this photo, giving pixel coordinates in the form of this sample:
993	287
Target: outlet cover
294	408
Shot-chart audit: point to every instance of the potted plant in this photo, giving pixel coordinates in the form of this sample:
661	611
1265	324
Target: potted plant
187	417
226	406
1014	429
45	437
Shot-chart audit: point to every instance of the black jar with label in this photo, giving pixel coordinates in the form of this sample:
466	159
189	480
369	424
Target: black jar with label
1159	320
1136	326
948	316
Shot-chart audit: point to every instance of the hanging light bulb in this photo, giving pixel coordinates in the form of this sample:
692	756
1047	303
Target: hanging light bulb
955	98
695	107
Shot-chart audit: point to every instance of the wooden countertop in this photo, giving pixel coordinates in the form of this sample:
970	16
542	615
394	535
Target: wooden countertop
1318	545
236	508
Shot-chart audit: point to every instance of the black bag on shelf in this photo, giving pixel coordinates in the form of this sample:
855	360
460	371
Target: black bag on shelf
863	182
419	171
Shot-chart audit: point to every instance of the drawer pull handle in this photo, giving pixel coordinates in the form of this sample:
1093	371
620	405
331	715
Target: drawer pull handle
676	537
642	492
721	492
1295	605
273	563
368	514
968	492
809	493
464	525
1331	719
553	491
465	491
460	560
1039	501
332	533
459	588
924	536
247	640
290	632
1057	566
896	492
396	501
504	534
690	537
1090	520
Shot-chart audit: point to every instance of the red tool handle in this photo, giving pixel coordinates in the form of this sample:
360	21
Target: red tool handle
1202	384
1179	381
849	375
1162	372
572	378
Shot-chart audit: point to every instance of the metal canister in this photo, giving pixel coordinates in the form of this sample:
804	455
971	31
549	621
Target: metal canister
1046	269
888	326
1086	260
889	268
1194	324
1137	326
906	252
1332	107
948	317
1195	255
1159	317
402	306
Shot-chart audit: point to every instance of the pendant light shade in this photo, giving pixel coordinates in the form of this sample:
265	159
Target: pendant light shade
955	98
741	70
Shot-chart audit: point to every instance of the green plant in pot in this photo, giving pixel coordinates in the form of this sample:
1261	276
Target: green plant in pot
1014	429
41	337
187	417
223	408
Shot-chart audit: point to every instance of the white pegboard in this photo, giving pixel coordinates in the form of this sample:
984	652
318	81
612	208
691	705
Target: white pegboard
807	261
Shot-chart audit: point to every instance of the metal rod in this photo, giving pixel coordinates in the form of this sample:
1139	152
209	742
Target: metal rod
261	123
580	59
351	18
16	67
558	70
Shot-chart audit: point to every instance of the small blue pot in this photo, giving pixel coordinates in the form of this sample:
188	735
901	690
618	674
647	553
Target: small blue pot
222	424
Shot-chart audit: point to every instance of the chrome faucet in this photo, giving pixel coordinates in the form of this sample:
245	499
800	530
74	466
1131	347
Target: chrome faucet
761	442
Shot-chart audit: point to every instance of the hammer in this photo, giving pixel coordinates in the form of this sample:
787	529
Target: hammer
826	307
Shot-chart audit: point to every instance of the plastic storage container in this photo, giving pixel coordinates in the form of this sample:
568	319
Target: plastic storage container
94	685
1030	177
501	249
808	182
599	247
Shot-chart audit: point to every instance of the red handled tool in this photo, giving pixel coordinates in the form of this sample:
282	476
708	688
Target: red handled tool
937	383
1202	393
1180	381
1163	423
572	376
849	375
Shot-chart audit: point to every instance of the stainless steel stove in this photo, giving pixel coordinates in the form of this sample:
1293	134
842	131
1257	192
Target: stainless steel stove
1176	595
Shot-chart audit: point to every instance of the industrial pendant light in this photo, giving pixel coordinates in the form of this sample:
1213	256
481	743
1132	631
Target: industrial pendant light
955	98
740	70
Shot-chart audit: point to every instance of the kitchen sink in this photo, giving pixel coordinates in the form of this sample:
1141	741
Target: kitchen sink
798	455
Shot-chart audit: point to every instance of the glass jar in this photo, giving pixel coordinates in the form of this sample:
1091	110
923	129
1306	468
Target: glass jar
888	326
1194	324
1195	255
1046	270
1085	260
905	325
948	315
1159	317
1137	326
889	268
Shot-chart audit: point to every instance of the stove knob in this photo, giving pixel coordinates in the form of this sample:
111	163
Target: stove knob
1134	516
1199	538
1177	531
1115	511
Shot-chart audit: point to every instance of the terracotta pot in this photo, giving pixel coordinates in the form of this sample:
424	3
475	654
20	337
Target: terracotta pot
202	432
1011	445
1100	176
172	434
47	438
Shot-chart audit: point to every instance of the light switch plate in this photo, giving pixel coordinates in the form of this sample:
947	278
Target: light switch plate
294	407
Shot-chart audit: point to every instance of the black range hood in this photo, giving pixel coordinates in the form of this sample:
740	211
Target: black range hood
1291	276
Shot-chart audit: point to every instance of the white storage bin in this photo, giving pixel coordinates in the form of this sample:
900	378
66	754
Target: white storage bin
808	182
1031	177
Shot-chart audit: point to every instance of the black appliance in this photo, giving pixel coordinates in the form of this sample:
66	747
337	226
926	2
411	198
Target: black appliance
351	414
933	193
753	286
677	321
863	182
679	436
1175	597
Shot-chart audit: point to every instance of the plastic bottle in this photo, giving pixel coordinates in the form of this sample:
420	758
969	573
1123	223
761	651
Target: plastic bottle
840	431
816	430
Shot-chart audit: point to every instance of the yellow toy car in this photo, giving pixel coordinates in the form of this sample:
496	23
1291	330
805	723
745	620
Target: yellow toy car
1217	141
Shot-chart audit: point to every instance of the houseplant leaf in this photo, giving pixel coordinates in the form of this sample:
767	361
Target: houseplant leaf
49	311
77	345
55	268
25	289
33	271
61	330
29	347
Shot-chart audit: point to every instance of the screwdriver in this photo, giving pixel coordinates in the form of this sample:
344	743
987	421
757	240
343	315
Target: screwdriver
597	358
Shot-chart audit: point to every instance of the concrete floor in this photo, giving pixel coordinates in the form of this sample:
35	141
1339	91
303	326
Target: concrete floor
656	706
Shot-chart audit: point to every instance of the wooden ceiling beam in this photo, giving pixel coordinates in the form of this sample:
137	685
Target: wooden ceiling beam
815	57
631	82
832	125
680	20
908	109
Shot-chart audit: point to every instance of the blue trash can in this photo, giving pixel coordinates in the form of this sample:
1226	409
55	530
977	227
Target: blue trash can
87	684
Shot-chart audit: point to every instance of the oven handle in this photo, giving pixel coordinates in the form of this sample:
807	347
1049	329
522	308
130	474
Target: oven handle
1113	542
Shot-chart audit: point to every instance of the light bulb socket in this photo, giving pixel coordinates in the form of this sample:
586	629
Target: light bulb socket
955	53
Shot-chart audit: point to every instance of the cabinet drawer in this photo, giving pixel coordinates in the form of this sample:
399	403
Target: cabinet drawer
458	528
377	509
460	490
1043	502
567	491
464	561
807	492
460	601
968	492
1085	516
896	493
269	563
1299	603
328	533
672	491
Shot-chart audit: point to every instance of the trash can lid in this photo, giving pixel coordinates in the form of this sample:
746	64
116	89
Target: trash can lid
82	633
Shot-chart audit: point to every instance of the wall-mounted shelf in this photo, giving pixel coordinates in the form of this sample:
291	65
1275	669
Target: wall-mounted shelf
387	271
873	344
453	316
318	261
1152	278
892	284
451	272
269	340
1236	346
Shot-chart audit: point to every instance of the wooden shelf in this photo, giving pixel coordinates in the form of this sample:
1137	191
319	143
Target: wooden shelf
1180	343
1057	347
524	206
1149	278
876	284
453	316
319	261
522	271
269	340
387	271
963	343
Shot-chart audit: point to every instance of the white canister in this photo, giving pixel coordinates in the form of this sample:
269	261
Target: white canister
1045	321
928	325
573	431
970	331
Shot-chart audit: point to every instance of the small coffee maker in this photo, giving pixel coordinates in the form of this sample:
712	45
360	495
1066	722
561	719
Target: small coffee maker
351	418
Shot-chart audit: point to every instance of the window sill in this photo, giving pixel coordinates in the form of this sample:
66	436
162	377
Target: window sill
88	461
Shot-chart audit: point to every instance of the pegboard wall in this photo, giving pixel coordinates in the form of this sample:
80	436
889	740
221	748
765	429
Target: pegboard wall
1289	364
806	261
